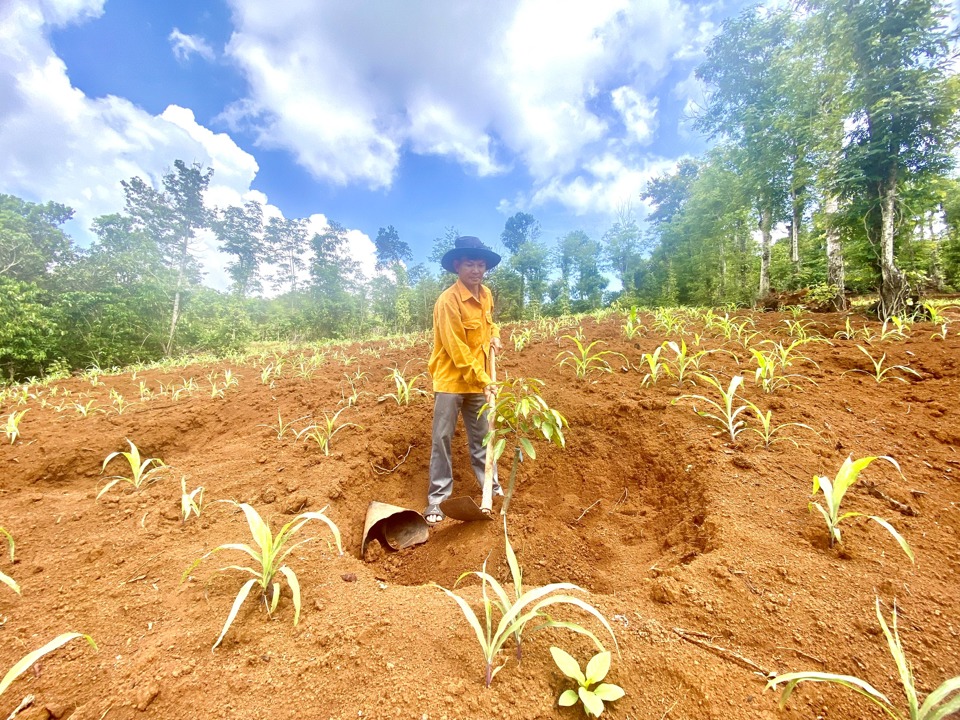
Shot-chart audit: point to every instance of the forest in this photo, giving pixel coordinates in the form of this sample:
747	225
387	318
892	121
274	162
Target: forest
833	129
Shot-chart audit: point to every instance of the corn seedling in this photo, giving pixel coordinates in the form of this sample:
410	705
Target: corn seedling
521	338
584	360
145	392
282	427
323	434
4	578
140	471
686	362
633	325
803	330
517	612
119	402
767	430
84	409
796	311
940	704
834	491
726	414
12	426
521	415
654	367
881	373
769	374
668	321
406	387
597	669
899	331
268	556
351	398
191	503
942	334
28	660
936	313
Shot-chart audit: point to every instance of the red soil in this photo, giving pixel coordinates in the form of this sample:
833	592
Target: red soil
677	536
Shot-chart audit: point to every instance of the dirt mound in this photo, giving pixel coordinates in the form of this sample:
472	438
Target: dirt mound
701	553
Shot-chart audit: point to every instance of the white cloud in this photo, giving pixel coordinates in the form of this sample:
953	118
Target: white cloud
638	112
58	144
184	46
347	88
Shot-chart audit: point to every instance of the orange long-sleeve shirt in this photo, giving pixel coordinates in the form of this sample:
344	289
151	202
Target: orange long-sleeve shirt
462	329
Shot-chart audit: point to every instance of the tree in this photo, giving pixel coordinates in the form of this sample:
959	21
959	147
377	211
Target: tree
391	249
623	248
31	241
333	279
240	232
172	218
891	60
286	243
519	229
581	284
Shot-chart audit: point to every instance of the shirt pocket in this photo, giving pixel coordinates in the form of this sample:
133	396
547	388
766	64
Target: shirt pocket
474	333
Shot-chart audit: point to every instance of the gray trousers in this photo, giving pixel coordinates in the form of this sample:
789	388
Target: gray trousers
446	408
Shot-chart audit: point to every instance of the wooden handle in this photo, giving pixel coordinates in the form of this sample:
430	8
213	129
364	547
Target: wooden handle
486	502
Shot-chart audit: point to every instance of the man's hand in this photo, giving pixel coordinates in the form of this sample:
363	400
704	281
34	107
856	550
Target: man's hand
496	344
490	393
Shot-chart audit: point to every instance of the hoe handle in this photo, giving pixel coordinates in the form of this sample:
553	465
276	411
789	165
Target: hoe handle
486	504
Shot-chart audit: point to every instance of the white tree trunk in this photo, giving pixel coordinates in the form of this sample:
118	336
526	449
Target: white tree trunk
766	223
893	286
835	275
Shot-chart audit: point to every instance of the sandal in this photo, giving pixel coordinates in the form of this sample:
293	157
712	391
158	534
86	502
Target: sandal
433	515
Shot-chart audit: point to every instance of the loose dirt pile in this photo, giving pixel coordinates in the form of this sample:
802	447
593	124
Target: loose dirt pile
702	554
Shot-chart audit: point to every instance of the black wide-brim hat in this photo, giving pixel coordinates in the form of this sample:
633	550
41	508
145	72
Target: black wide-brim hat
468	246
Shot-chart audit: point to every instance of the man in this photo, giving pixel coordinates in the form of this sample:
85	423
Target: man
463	333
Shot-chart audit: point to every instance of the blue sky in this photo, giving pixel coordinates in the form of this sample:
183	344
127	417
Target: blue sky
420	115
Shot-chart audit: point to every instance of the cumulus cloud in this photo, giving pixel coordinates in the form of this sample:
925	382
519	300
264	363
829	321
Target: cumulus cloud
184	46
347	88
58	144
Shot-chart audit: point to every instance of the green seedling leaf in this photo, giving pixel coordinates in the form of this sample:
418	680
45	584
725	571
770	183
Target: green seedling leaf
29	659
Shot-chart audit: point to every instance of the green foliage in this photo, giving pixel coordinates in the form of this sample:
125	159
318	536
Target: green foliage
520	416
833	492
517	612
584	359
140	471
940	704
597	669
12	426
270	552
726	415
27	328
406	387
881	373
322	433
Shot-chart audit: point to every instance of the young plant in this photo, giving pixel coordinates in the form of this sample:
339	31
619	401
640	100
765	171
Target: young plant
771	364
684	361
516	613
597	669
584	360
119	402
768	430
268	557
940	704
632	326
803	330
140	471
521	338
84	409
834	491
282	427
406	387
12	427
4	578
880	373
323	434
899	331
521	415
726	414
27	661
191	503
655	368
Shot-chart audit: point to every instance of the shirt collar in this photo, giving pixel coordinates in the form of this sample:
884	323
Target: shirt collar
465	293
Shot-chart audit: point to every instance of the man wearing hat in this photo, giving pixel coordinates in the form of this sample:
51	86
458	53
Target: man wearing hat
463	333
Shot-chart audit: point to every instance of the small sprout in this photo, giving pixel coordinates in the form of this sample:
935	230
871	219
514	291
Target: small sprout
880	373
585	360
268	557
323	434
12	428
597	669
140	471
940	704
191	503
282	427
27	661
834	491
406	387
727	415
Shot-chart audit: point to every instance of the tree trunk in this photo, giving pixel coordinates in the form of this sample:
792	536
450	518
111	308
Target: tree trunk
175	316
766	223
795	232
893	286
835	272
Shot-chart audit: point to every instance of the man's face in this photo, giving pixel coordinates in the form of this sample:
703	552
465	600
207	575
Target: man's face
470	271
